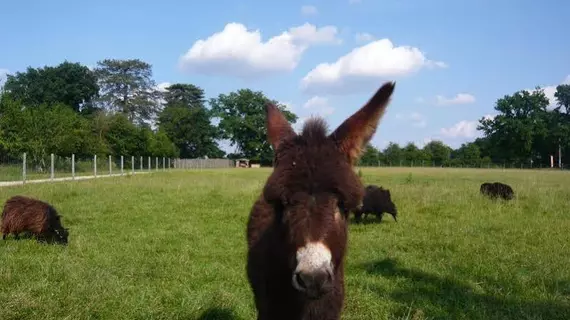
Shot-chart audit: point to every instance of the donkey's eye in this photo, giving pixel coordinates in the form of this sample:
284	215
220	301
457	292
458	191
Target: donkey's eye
341	206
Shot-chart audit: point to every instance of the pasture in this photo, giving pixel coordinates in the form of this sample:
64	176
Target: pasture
171	245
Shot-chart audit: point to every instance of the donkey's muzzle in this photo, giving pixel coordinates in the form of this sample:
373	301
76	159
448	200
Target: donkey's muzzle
314	284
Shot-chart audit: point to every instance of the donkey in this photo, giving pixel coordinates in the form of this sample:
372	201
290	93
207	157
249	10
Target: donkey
297	229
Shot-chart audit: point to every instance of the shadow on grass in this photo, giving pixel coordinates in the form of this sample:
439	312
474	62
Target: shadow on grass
21	236
372	219
448	298
216	313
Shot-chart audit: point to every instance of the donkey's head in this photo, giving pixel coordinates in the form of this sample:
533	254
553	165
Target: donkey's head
313	188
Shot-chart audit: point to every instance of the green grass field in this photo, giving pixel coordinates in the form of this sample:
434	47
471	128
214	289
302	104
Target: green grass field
171	245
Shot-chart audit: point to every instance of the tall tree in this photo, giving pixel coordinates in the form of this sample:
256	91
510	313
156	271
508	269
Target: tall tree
563	96
159	145
393	154
468	154
42	130
71	84
127	86
183	94
438	152
412	153
242	121
520	127
370	156
559	121
187	122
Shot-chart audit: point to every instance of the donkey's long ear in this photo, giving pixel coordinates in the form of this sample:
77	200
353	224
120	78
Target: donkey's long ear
278	128
357	130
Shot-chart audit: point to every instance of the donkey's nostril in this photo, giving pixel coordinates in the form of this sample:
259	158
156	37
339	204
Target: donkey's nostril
298	282
314	284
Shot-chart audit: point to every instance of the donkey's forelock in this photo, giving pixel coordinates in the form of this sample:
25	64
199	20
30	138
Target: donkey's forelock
315	128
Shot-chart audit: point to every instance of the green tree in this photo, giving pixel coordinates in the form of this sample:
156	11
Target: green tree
124	138
468	154
485	147
438	152
370	157
159	145
562	94
184	94
100	123
127	87
187	122
520	127
242	121
560	121
411	153
71	84
393	154
42	130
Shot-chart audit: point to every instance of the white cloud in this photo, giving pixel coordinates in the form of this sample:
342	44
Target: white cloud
460	98
464	129
298	126
363	37
3	76
309	10
424	142
288	105
320	105
416	119
367	64
239	52
308	34
162	86
549	92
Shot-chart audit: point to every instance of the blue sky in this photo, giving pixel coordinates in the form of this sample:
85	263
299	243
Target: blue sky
469	53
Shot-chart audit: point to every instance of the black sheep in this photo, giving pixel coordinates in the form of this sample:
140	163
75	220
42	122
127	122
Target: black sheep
377	201
24	214
497	189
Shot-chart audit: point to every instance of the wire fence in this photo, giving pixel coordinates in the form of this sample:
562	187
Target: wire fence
458	164
52	167
203	163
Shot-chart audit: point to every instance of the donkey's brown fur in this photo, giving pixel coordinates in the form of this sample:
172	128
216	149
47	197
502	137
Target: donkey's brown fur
297	229
24	214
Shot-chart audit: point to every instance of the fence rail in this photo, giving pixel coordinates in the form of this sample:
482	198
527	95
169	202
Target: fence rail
48	168
203	163
53	167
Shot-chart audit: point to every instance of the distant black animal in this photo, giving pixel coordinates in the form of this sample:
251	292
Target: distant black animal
497	190
24	214
377	201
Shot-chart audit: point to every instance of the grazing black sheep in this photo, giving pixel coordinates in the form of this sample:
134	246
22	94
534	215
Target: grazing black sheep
497	189
24	214
377	201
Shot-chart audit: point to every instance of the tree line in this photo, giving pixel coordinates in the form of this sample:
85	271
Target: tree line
117	109
527	130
